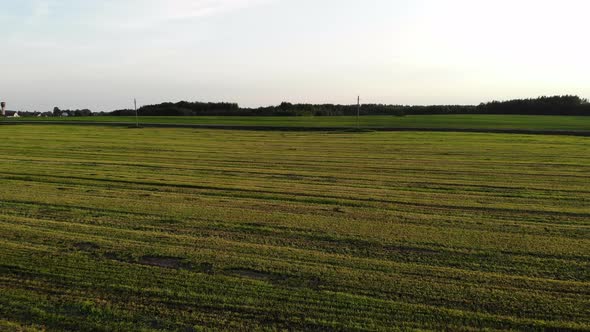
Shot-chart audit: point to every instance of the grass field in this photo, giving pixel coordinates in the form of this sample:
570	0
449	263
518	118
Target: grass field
107	228
522	122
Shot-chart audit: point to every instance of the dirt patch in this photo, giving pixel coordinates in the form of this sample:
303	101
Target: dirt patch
112	255
252	274
288	176
311	282
87	246
165	262
338	210
118	256
410	250
255	224
206	267
314	283
169	221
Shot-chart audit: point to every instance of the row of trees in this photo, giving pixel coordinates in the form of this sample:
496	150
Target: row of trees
556	105
288	109
183	108
82	112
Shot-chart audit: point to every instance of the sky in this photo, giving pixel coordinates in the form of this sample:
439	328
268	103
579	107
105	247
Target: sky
102	54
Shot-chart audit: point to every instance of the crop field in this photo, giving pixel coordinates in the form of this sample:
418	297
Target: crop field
512	122
109	228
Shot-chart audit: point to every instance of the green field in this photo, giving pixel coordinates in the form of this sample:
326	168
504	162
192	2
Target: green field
522	122
109	228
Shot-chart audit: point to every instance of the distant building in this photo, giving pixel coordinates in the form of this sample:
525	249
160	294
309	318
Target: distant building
11	114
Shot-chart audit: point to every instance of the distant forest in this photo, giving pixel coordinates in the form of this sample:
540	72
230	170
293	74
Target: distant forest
556	105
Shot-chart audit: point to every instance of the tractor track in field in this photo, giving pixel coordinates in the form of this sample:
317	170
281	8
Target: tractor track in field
581	133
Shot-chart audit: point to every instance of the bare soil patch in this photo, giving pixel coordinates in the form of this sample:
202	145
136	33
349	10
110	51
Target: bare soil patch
165	262
86	246
410	250
252	274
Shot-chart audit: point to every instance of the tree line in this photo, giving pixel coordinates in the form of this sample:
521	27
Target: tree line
555	105
82	112
183	108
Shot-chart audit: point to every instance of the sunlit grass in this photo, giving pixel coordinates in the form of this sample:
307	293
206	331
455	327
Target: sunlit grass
181	229
520	122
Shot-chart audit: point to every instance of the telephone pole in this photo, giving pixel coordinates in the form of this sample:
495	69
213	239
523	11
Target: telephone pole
136	115
358	113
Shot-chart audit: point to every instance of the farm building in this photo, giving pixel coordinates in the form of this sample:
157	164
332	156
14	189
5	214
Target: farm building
11	114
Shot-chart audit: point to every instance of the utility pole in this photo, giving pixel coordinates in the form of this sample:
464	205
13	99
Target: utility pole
358	113
136	115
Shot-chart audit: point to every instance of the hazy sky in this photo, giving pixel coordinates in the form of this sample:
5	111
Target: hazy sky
101	54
